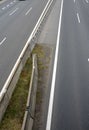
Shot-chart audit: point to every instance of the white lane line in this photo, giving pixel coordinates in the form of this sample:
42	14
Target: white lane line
87	1
2	41
11	3
28	11
8	5
74	1
13	11
3	8
78	17
50	109
14	1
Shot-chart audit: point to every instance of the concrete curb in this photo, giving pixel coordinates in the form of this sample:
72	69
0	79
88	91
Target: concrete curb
31	101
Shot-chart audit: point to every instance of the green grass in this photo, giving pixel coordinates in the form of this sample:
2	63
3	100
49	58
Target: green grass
39	51
15	112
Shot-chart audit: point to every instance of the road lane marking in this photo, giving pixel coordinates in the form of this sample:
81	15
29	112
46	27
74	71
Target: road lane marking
78	17
50	108
74	1
14	1
87	1
3	8
2	41
13	11
8	5
11	3
88	59
28	11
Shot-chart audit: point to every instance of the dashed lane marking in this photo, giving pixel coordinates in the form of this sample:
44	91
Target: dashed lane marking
3	41
78	17
13	11
28	11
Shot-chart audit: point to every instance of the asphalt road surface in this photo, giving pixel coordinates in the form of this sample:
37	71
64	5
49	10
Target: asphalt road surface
17	20
71	95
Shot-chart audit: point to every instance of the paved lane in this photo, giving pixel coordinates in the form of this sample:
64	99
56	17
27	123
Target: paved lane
7	5
71	98
15	27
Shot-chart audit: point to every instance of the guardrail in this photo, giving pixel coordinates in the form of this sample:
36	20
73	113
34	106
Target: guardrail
29	114
10	83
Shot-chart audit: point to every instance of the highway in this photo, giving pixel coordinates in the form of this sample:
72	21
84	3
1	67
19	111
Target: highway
17	20
69	97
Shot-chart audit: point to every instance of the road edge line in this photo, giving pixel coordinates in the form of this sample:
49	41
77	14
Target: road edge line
50	108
